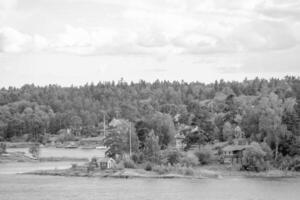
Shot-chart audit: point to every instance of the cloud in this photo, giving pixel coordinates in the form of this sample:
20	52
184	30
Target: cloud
13	41
158	27
262	35
280	9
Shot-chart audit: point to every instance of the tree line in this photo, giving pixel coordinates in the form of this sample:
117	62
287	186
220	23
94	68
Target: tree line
260	110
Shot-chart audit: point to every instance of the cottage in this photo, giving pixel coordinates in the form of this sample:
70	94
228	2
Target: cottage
233	154
179	141
107	163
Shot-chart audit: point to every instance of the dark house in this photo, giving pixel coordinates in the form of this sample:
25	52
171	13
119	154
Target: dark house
233	154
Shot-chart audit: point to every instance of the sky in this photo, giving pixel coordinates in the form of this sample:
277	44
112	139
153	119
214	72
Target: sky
73	42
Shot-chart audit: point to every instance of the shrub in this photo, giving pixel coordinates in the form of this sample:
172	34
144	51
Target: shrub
204	155
138	157
74	166
148	167
135	158
35	150
128	163
161	169
188	171
94	162
254	158
65	136
2	148
189	159
120	165
171	156
289	163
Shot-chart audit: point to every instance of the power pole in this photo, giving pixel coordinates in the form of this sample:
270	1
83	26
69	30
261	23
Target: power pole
104	124
130	139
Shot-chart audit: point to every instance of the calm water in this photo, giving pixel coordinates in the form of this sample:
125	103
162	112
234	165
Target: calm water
61	152
17	187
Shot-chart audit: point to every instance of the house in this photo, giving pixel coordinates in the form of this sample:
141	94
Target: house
233	154
179	141
107	163
118	123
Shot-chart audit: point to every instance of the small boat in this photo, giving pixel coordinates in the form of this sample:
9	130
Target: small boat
101	148
71	146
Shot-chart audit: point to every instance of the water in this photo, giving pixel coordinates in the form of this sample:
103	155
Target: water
61	152
23	167
19	187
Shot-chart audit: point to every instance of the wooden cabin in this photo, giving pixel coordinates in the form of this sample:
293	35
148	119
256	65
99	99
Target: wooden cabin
233	154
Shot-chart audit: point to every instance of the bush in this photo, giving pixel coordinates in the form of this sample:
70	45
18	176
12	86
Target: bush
64	136
204	155
35	150
94	162
120	165
148	167
189	159
74	166
171	156
2	148
161	169
138	157
135	158
128	163
254	158
289	163
188	171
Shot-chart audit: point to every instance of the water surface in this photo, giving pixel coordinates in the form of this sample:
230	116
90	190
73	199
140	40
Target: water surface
19	187
62	152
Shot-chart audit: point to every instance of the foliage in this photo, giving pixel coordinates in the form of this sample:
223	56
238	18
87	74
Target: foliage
148	166
65	136
170	156
34	150
118	140
161	169
151	148
204	155
265	110
254	158
128	163
189	159
2	148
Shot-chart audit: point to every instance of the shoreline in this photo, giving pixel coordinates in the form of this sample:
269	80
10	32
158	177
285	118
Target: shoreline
140	173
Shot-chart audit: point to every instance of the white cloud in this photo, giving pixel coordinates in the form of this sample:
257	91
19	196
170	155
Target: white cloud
162	27
13	41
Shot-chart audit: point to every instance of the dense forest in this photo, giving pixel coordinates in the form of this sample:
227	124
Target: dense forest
261	110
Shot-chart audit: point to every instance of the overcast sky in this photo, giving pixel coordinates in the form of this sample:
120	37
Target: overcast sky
78	41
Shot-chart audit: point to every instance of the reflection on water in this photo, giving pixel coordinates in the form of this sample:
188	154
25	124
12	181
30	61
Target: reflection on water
61	152
14	168
17	187
20	167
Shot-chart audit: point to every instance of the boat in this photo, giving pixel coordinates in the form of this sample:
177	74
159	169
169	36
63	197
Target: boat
101	148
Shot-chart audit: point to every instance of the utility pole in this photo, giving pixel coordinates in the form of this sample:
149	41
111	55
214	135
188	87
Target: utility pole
104	124
130	139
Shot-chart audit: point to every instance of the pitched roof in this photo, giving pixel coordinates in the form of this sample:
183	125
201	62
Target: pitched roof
234	147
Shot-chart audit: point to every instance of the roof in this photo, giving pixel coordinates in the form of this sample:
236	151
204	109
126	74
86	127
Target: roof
234	148
118	122
106	159
179	136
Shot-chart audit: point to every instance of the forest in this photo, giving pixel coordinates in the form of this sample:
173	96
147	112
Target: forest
263	111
